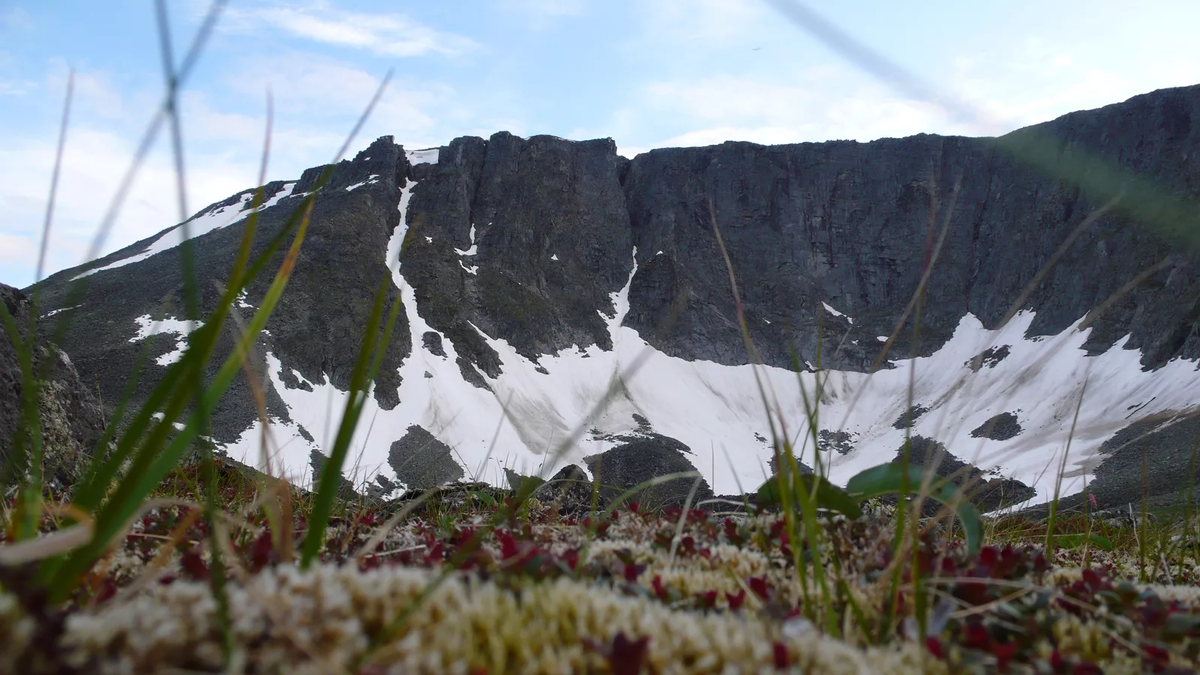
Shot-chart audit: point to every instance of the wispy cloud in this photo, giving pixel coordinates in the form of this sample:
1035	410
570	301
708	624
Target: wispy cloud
14	87
15	18
821	105
393	35
545	8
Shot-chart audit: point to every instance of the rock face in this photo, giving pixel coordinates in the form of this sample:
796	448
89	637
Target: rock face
849	224
999	428
71	419
630	464
422	461
522	246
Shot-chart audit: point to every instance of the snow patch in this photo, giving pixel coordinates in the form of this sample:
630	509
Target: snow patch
56	311
148	326
374	178
473	248
206	222
836	313
426	156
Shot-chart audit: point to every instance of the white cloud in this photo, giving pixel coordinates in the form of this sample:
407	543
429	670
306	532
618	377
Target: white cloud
392	35
545	8
726	107
94	92
15	18
700	22
14	87
17	248
317	102
1041	79
93	163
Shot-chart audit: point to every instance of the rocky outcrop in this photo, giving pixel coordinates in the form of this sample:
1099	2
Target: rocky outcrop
630	464
852	225
522	239
999	427
72	421
422	461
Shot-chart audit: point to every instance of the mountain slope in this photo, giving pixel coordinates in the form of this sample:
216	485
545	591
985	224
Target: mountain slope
542	277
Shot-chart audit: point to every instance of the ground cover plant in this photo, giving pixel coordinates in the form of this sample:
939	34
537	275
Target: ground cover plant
166	557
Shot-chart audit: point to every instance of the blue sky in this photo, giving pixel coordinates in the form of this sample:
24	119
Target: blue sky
648	73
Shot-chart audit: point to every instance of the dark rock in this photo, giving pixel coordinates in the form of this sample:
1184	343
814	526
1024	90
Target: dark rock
635	462
773	465
909	417
1156	461
989	494
433	343
570	489
988	358
546	213
516	481
422	461
847	223
841	442
346	489
998	428
71	419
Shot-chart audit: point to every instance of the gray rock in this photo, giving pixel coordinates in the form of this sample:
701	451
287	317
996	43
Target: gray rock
909	417
570	490
629	465
998	427
422	461
841	442
516	482
71	419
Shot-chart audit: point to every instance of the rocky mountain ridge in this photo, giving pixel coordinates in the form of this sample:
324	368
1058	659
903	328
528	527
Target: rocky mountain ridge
519	259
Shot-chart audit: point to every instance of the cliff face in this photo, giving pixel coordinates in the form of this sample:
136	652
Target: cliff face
851	224
70	417
848	224
526	245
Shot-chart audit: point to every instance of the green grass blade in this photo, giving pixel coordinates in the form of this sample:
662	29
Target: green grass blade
370	354
1077	540
826	494
891	479
150	465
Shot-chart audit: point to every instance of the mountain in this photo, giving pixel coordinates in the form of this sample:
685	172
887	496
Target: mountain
541	277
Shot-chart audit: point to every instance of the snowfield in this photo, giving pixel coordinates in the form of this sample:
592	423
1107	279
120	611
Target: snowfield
543	414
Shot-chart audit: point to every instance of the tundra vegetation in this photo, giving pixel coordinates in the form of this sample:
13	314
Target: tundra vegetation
155	554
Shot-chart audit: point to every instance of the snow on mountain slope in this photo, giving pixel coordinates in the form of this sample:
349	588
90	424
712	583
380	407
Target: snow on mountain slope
426	156
543	414
213	219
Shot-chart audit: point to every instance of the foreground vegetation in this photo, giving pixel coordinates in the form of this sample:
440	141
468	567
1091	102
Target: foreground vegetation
462	580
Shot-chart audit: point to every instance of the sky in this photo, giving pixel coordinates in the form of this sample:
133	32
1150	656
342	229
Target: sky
647	73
